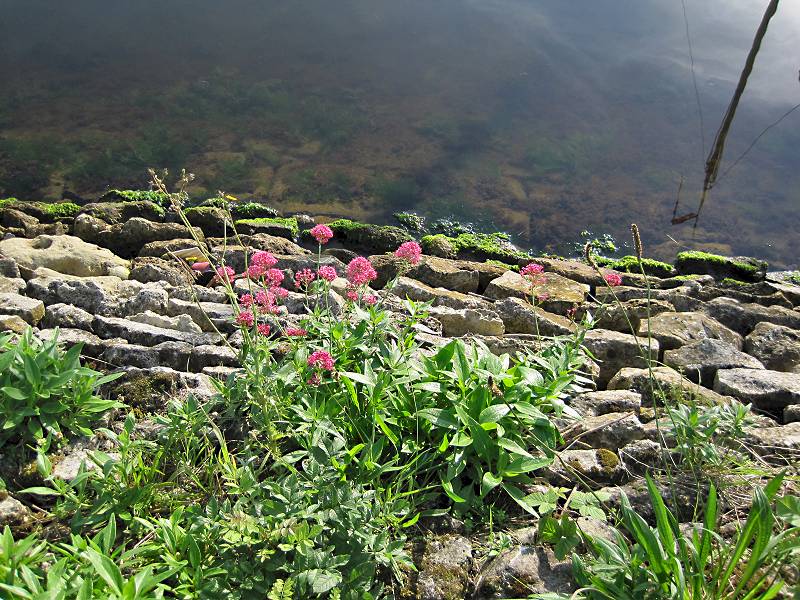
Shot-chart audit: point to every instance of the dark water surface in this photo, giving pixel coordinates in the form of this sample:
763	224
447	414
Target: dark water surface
539	117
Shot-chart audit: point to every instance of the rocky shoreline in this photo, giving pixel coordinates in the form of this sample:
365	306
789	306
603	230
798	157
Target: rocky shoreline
720	328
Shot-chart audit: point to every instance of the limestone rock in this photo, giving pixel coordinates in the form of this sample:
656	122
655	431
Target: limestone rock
700	361
148	269
146	335
525	570
677	329
598	467
615	350
129	238
558	294
12	323
521	317
179	322
766	390
9	268
64	254
150	297
273	228
744	317
412	289
791	414
27	309
678	388
162	248
448	274
97	295
641	456
12	511
444	570
209	355
92	344
742	268
12	285
606	401
119	212
776	346
626	317
274	244
212	220
207	315
781	444
66	315
459	322
611	431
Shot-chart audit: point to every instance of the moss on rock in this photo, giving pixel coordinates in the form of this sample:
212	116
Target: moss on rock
720	267
377	238
630	264
479	246
287	224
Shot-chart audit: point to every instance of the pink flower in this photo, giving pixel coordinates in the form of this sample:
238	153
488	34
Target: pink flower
295	332
360	271
201	266
572	312
531	270
327	273
351	295
303	277
370	300
224	274
274	277
321	359
246	300
322	233
613	280
263	259
245	318
263	329
265	298
255	271
314	380
410	251
280	293
543	297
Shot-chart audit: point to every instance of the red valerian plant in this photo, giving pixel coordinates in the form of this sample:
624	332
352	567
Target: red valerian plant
410	251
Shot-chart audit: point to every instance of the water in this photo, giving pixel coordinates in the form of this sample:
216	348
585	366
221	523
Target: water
541	118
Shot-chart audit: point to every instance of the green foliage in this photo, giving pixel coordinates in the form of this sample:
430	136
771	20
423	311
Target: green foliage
252	210
666	562
483	246
6	201
61	210
158	198
45	391
794	277
631	264
741	267
709	437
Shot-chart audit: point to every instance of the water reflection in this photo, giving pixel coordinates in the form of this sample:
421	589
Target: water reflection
542	118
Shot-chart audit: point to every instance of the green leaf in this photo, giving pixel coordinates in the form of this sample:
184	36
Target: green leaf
14	393
40	491
106	568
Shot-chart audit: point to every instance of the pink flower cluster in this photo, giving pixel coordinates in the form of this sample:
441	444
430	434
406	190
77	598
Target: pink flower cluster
612	279
360	271
303	278
327	273
260	263
321	233
531	270
322	360
410	251
266	299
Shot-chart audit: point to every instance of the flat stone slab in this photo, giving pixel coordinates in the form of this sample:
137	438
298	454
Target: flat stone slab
743	317
614	351
558	293
700	361
668	380
780	443
64	254
147	335
776	346
28	309
676	329
767	390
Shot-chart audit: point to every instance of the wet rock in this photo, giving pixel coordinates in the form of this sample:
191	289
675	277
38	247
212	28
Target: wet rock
606	401
744	317
614	350
66	315
12	511
770	391
780	444
459	322
742	268
673	330
519	316
525	570
65	254
13	285
611	431
678	388
179	322
444	570
27	309
776	346
273	228
572	269
151	269
147	335
12	323
438	245
558	294
700	361
597	467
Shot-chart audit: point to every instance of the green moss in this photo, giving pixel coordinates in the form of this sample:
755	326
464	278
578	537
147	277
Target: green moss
630	264
411	221
159	198
492	246
290	222
608	459
794	277
693	277
716	259
6	201
215	203
253	210
62	210
499	263
732	281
